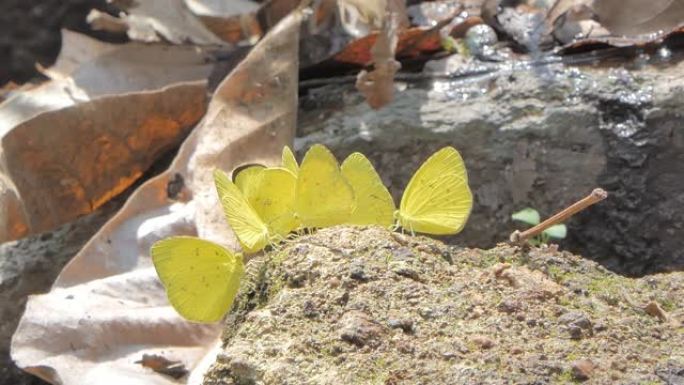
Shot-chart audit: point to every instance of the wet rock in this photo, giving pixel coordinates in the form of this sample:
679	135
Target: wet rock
582	370
540	137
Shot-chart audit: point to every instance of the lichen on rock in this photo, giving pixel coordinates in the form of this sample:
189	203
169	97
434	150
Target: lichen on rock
363	305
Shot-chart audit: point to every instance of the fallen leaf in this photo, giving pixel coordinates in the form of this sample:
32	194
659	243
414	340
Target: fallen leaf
101	21
638	17
162	365
171	20
74	142
107	307
234	22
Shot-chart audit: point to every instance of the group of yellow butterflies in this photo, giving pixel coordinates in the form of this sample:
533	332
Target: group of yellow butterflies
264	205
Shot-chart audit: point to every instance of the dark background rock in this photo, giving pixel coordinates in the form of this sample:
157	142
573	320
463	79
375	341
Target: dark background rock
536	138
30	266
29	32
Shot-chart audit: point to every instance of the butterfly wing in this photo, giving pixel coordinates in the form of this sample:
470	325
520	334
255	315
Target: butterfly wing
250	230
289	161
274	200
201	278
437	199
322	196
247	179
374	204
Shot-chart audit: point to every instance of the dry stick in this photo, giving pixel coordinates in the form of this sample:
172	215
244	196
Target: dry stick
596	196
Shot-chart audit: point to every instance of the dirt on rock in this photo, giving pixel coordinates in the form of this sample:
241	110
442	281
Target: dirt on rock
368	306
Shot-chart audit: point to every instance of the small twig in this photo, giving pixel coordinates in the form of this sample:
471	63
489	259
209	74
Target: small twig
596	196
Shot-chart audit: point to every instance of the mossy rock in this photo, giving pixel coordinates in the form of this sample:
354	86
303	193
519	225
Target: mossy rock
367	306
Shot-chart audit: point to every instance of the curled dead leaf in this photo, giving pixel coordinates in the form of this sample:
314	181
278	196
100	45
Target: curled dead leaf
76	141
171	20
638	17
162	365
122	310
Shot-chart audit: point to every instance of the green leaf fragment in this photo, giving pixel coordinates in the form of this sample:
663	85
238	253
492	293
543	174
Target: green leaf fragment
557	231
527	215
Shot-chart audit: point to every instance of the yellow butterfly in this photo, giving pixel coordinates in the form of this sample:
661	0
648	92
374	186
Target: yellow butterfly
437	199
374	204
251	231
322	197
289	162
201	278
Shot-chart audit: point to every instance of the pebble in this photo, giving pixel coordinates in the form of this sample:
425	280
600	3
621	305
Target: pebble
310	310
654	309
575	318
359	329
405	324
357	272
483	342
509	305
582	370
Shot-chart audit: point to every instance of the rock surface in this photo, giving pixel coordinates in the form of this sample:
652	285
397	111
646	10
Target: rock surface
307	318
540	138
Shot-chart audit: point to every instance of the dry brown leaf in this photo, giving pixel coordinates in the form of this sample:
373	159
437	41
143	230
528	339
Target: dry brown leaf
160	364
101	21
232	21
107	307
377	86
637	17
170	20
69	145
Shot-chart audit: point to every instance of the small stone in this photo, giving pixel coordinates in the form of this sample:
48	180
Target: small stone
357	273
600	326
499	268
405	324
575	318
342	299
297	279
483	342
359	329
516	350
509	305
426	313
404	269
405	347
403	254
334	282
310	310
575	332
654	309
582	370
